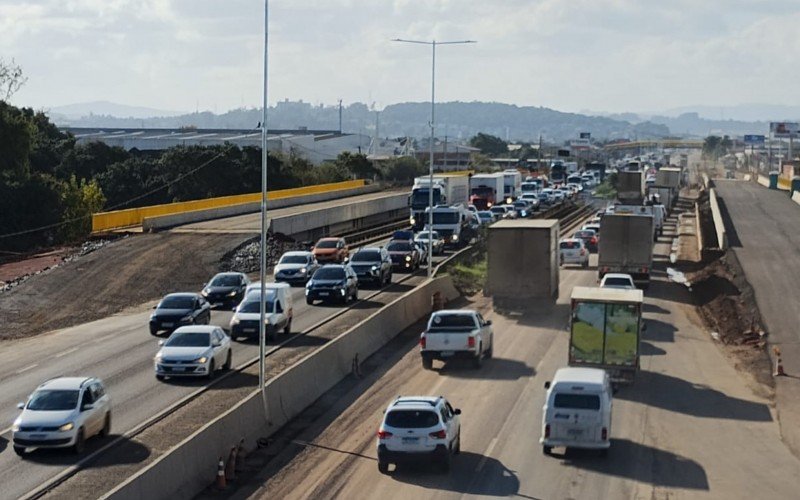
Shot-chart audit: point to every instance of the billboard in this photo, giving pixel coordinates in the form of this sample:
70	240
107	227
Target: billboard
586	135
754	140
785	129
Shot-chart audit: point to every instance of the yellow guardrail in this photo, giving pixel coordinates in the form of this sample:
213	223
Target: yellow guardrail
117	219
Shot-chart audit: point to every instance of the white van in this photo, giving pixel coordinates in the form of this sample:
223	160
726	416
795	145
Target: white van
279	312
577	410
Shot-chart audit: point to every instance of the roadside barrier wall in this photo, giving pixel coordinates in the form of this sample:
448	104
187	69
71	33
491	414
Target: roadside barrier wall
134	216
716	214
189	467
796	197
764	181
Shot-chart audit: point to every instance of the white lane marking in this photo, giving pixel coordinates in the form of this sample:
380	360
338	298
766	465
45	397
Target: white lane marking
105	337
68	351
23	370
486	454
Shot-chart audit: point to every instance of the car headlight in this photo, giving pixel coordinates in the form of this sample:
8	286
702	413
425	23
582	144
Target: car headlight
374	268
489	205
302	270
201	359
412	221
152	317
235	321
157	357
232	294
508	200
408	258
204	293
455	237
15	427
66	427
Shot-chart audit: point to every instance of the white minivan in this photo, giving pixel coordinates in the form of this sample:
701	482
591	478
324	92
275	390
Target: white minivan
279	312
577	410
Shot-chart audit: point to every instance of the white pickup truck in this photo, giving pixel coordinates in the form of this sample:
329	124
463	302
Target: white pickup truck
454	334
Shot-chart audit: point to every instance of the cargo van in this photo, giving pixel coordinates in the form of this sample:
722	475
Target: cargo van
577	410
278	312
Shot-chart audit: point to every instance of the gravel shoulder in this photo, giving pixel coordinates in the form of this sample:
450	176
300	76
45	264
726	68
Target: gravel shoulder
122	274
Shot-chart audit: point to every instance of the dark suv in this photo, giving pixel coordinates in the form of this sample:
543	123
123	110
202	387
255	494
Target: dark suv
333	282
372	265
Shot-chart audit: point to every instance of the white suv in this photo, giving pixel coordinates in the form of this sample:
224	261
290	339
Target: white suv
419	427
63	412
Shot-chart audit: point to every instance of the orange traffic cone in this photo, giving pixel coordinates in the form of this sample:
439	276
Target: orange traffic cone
221	475
230	467
778	363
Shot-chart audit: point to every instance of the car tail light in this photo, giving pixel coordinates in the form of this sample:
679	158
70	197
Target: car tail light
438	434
604	434
422	342
593	240
382	434
547	431
583	251
470	341
644	270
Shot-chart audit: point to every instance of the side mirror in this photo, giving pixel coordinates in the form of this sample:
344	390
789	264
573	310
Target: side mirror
489	323
87	407
160	342
155	306
457	411
547	385
20	406
216	343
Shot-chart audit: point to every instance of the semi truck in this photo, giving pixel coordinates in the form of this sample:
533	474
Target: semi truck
453	224
630	187
447	190
626	246
597	167
605	330
512	185
486	190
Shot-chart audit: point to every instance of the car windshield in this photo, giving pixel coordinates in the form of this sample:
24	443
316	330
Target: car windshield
53	400
329	273
624	282
452	322
485	215
577	401
366	256
426	236
189	339
326	244
225	280
294	259
445	217
251	306
411	419
498	210
397	246
569	245
177	303
584	234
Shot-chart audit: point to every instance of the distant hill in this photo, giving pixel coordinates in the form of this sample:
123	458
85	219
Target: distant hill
740	112
454	119
105	108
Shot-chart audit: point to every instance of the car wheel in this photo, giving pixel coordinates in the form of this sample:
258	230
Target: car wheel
477	361
228	361
355	295
288	329
106	430
80	442
383	467
547	450
427	363
490	350
211	370
457	449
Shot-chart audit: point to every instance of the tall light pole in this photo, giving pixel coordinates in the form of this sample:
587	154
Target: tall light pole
433	44
263	271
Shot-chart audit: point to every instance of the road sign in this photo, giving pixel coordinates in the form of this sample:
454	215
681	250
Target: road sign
586	135
785	129
754	140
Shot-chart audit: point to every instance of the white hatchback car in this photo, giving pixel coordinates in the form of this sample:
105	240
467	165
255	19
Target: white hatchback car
63	412
573	251
193	351
419	427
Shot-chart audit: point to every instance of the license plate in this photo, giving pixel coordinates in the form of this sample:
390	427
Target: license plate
410	440
249	330
323	294
166	325
574	432
446	354
178	369
37	436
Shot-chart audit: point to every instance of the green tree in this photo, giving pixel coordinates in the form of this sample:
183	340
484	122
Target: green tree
17	133
404	168
489	144
357	164
79	200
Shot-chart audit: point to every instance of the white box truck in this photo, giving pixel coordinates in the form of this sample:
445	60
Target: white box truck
447	190
626	246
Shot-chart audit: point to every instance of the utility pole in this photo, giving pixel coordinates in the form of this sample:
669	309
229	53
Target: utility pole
445	152
340	116
539	155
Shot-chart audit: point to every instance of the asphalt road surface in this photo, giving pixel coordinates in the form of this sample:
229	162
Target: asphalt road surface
688	428
763	229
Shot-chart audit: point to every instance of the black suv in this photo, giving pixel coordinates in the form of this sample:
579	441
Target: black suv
372	265
333	282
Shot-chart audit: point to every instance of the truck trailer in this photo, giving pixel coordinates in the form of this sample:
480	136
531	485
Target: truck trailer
605	330
626	246
512	185
486	190
630	187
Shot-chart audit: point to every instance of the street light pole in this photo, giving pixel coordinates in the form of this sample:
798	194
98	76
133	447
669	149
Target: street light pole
433	44
263	267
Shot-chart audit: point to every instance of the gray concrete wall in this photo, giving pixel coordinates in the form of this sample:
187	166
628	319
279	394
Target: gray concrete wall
167	221
716	214
523	261
189	467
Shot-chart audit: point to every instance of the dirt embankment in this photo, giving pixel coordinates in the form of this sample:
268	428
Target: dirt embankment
125	273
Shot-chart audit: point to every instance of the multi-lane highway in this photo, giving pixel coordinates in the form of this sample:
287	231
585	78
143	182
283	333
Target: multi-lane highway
689	427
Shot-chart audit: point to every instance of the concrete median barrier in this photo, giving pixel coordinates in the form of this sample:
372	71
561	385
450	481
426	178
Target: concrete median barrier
189	467
716	215
796	197
764	181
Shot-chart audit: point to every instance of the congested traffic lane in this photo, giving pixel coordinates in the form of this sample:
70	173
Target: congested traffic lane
690	426
120	351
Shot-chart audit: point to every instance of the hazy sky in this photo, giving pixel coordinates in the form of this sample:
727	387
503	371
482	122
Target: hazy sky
610	55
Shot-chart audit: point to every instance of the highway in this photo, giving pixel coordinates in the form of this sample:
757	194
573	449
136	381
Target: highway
690	427
119	350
